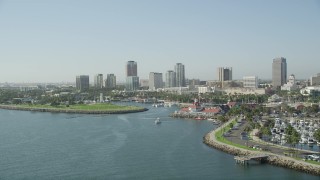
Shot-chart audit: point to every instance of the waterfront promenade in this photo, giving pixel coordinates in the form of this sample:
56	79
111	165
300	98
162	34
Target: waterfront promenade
275	153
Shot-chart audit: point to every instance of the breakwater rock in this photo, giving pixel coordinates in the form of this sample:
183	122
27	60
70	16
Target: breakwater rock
293	164
273	159
72	111
226	148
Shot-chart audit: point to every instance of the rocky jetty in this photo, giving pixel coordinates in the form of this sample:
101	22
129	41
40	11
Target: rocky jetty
226	148
293	164
273	159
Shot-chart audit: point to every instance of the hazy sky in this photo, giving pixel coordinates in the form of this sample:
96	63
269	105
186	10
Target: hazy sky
53	41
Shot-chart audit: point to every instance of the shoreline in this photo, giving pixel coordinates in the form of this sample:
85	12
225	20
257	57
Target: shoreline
273	159
71	111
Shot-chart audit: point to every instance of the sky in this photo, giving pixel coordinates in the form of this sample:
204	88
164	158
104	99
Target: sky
56	40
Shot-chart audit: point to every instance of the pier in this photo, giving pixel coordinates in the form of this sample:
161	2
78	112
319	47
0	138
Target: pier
244	160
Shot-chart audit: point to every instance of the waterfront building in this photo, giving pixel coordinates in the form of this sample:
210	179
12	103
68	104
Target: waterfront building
315	80
131	68
132	83
155	81
180	75
279	72
98	81
111	81
290	85
170	79
82	82
250	82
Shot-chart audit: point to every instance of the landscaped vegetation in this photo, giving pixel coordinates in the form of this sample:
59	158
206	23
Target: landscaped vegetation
85	107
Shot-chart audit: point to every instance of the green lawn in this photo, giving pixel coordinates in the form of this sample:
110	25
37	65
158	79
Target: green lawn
220	138
86	107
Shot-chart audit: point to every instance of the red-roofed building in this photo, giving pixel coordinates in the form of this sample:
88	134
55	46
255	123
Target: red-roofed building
232	104
212	111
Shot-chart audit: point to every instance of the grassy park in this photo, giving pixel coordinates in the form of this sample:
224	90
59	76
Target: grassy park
90	108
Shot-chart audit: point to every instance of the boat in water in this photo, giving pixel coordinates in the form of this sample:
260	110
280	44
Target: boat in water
199	118
157	121
311	141
216	122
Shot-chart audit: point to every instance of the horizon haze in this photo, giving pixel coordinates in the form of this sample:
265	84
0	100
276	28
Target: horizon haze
54	41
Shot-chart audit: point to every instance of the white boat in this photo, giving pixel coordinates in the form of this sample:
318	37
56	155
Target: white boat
303	140
157	121
311	141
216	122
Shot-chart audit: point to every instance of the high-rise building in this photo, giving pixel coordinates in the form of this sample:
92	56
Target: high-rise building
250	82
170	79
279	72
155	81
315	80
224	74
132	83
132	80
110	82
98	81
180	75
131	68
82	82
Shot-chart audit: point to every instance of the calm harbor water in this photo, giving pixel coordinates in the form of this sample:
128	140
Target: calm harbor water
36	145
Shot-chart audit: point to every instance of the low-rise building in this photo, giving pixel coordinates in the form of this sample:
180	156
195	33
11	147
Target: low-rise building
315	80
250	82
310	90
290	85
232	91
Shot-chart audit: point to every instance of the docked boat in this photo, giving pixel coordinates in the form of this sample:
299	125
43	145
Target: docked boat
158	105
303	140
199	118
157	121
311	141
216	122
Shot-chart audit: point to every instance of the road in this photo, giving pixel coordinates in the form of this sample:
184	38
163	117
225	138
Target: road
235	136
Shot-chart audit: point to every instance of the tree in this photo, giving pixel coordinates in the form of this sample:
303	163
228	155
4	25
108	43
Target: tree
231	125
222	119
292	136
316	135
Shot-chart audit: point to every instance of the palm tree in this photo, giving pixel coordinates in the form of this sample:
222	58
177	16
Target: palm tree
316	135
292	136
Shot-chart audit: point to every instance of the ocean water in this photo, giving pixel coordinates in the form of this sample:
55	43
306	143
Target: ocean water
35	145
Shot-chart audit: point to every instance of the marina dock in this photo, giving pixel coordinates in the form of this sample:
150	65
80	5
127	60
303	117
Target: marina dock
244	160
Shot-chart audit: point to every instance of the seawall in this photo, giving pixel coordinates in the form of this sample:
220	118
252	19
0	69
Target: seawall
72	111
273	159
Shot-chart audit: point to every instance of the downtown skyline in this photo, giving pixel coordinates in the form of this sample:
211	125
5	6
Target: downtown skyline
53	41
